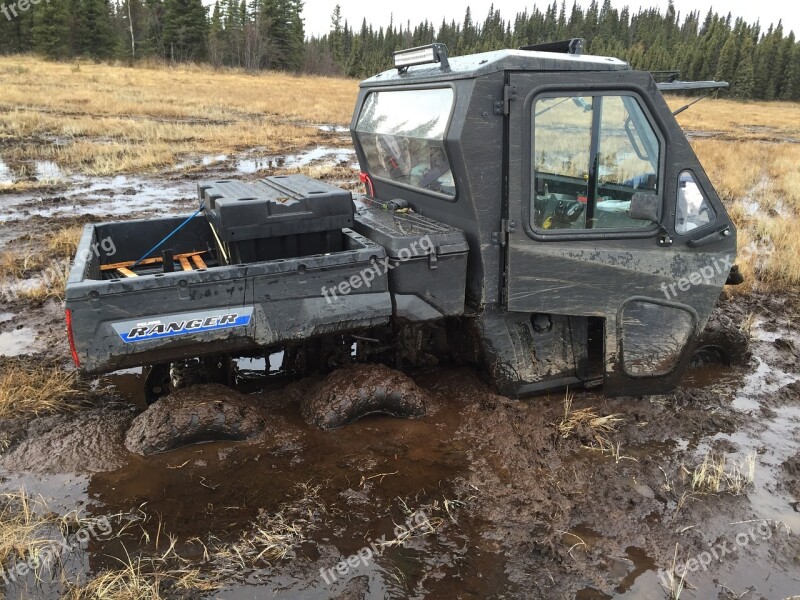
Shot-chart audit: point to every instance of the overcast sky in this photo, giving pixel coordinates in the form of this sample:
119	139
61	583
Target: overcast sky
317	13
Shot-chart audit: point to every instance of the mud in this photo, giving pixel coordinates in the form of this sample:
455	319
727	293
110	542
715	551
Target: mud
531	514
90	441
196	414
723	337
356	391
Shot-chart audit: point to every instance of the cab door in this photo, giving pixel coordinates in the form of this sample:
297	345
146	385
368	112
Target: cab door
610	215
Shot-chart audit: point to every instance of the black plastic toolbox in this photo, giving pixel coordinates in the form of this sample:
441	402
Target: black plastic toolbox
277	217
426	262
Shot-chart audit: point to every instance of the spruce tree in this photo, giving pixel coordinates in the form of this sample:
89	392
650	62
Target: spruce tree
185	30
97	35
49	29
791	90
744	82
726	66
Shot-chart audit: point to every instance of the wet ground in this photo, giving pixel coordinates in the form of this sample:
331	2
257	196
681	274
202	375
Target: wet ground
493	500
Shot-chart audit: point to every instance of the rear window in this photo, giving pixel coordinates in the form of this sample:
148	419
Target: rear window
402	134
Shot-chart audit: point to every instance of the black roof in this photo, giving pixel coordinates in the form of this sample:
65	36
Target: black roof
475	65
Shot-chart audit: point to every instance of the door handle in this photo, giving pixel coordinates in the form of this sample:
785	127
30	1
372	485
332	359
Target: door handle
714	236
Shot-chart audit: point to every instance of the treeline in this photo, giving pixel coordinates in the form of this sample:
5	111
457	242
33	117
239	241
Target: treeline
763	65
254	34
269	34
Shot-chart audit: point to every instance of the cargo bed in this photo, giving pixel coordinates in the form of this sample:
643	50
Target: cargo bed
269	263
119	322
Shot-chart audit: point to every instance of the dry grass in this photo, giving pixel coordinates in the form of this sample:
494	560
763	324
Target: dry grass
748	120
44	262
751	152
142	578
272	535
14	264
127	583
138	579
675	583
25	524
27	390
64	243
716	475
51	284
104	119
585	422
31	533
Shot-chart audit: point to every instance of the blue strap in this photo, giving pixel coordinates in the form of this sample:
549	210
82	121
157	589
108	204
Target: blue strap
176	230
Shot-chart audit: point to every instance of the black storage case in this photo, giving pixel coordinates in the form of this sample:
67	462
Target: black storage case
278	217
428	262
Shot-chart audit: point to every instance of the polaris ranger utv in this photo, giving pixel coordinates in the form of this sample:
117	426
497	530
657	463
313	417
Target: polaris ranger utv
537	212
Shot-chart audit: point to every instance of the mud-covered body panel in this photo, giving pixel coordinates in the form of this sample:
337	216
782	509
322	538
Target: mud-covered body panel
516	273
269	302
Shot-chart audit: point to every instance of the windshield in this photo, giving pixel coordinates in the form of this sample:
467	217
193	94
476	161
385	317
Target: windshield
402	134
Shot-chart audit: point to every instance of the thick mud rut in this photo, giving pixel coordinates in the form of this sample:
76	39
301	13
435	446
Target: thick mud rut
498	497
479	496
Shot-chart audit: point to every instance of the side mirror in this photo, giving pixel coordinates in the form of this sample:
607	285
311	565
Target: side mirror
645	207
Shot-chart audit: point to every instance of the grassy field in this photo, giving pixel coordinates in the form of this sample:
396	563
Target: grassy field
98	120
751	152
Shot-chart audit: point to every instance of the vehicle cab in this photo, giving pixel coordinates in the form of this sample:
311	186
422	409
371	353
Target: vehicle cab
597	244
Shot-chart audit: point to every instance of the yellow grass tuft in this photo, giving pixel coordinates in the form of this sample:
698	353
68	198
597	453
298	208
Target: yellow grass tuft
716	474
33	534
64	243
23	524
599	427
15	264
35	390
125	584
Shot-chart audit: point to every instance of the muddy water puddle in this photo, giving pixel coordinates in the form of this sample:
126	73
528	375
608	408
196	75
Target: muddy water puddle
371	475
292	161
45	171
17	342
119	196
128	195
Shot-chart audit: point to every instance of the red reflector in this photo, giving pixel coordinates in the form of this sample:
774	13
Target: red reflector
367	181
583	199
71	338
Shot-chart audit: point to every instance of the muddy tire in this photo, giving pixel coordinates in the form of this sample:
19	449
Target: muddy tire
200	413
355	391
722	342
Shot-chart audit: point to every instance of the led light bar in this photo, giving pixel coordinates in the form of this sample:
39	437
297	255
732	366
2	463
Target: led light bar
422	55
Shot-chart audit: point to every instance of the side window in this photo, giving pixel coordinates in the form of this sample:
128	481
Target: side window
402	134
591	154
562	138
694	209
